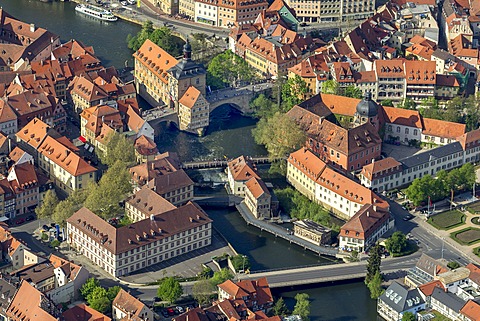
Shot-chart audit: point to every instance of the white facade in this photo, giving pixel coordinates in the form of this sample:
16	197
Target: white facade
331	199
206	13
404	133
436	140
9	127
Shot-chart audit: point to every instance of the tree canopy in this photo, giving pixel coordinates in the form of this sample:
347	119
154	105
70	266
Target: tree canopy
228	68
50	201
330	87
119	148
457	179
396	243
302	306
240	262
221	276
353	92
169	290
162	37
293	92
408	316
280	135
104	198
263	107
98	297
375	286
373	262
202	291
280	308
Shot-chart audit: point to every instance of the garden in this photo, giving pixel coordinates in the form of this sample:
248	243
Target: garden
467	236
474	208
447	220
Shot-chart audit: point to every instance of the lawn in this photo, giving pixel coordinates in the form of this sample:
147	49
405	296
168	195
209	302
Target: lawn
467	236
447	220
474	208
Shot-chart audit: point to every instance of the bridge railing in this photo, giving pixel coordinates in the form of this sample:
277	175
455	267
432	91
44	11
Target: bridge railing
296	267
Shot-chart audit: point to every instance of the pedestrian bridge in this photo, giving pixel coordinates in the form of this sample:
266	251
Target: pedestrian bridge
220	163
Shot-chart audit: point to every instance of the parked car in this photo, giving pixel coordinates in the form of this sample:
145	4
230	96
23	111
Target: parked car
46	227
132	1
20	221
180	309
170	311
124	3
30	218
165	313
408	217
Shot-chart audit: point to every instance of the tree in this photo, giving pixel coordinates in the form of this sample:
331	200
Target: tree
230	68
373	263
162	37
202	291
280	135
353	257
221	276
293	92
353	92
169	290
396	243
240	262
330	87
99	301
119	148
423	188
63	211
88	287
112	292
263	107
407	103
453	265
280	308
375	286
302	307
50	201
387	103
408	316
104	197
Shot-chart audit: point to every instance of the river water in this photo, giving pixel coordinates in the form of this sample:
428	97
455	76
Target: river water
229	134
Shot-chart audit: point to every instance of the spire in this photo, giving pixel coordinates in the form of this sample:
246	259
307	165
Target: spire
187	50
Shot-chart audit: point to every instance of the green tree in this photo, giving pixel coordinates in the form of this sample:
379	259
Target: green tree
353	257
302	306
408	316
230	68
119	148
263	107
169	290
221	276
55	243
423	188
353	92
387	103
112	292
63	211
396	243
50	201
98	300
162	37
407	103
280	308
104	197
373	263
293	92
240	262
88	287
280	135
375	286
202	291
330	87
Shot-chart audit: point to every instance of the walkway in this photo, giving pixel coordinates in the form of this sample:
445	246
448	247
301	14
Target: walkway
279	231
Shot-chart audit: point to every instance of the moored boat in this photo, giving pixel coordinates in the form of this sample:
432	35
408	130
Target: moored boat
97	12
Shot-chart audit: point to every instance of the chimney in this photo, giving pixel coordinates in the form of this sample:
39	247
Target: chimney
32	27
375	208
152	164
368	214
152	218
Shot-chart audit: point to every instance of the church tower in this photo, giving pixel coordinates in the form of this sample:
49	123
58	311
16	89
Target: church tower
367	111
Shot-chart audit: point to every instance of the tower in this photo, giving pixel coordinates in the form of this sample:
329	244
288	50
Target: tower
367	111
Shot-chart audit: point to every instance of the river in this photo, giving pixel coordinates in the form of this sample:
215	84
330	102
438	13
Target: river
229	134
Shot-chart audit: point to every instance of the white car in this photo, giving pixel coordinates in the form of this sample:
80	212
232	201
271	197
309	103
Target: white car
123	3
132	1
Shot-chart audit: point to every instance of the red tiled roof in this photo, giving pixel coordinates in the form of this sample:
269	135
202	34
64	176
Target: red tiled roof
441	128
400	116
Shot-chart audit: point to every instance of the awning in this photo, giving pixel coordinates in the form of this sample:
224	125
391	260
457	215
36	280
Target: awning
82	139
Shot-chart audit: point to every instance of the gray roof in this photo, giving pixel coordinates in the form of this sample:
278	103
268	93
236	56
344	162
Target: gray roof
443	54
428	265
401	299
7	291
432	154
450	300
187	68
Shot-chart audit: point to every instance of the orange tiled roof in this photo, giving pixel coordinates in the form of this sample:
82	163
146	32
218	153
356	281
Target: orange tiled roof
33	133
471	310
257	187
388	163
82	312
400	116
441	128
64	157
241	169
190	97
127	303
157	60
428	288
365	222
389	68
307	162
